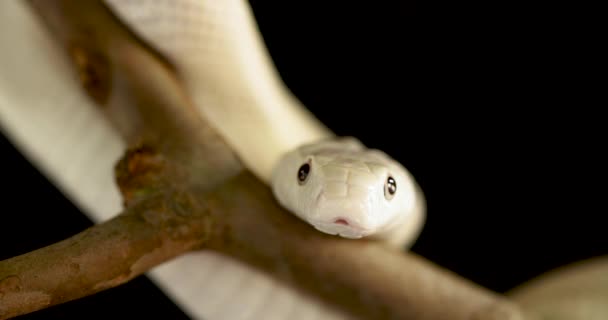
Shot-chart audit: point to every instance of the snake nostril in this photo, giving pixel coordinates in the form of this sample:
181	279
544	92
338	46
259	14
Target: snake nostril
341	221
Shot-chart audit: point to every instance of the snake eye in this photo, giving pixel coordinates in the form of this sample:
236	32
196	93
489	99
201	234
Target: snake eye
303	173
390	188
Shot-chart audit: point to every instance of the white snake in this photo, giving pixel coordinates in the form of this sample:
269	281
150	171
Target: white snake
336	184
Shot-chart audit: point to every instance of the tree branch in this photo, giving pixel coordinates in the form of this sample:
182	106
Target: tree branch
571	292
98	258
184	189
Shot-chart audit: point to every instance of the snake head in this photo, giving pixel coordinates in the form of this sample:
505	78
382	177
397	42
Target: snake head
343	188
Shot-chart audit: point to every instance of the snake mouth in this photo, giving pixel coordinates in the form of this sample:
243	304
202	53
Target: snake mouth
341	227
341	221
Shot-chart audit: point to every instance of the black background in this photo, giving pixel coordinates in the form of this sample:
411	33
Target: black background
492	117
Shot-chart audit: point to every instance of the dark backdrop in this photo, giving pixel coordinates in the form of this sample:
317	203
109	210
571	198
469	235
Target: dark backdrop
490	117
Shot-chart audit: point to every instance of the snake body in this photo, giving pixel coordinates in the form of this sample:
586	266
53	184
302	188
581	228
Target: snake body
337	185
220	56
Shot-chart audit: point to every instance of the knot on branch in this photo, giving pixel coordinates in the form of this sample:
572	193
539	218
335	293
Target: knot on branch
178	215
147	182
93	71
140	173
